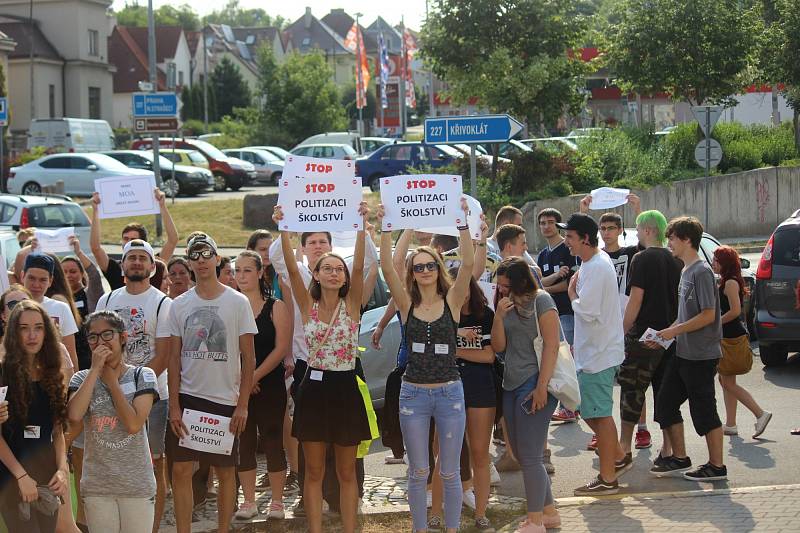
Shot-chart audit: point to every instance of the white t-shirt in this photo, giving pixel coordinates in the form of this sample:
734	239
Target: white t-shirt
599	342
211	366
61	315
146	319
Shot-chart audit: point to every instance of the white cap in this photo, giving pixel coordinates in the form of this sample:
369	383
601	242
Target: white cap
138	244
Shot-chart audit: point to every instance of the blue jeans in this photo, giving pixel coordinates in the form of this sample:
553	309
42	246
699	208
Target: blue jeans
445	404
568	325
527	435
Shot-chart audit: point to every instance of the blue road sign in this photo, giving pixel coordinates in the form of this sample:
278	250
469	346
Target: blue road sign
147	105
471	129
3	111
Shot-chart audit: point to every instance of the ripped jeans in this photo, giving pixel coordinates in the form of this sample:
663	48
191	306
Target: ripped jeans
445	404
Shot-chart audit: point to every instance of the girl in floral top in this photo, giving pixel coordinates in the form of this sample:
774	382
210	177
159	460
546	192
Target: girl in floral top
329	408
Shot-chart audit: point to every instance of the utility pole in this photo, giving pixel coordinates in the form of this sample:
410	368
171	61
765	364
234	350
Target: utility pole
205	80
359	74
151	57
431	94
402	84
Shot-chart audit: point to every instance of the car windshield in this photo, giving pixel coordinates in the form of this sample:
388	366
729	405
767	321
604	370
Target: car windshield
449	150
349	150
57	216
107	162
209	149
269	157
163	162
197	157
280	152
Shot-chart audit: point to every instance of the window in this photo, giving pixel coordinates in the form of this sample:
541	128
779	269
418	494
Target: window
436	154
94	102
402	152
175	158
197	157
56	162
786	250
6	212
57	216
94	43
51	96
180	78
80	163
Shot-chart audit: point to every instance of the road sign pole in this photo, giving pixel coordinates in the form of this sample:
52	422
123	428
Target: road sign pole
2	161
708	164
473	172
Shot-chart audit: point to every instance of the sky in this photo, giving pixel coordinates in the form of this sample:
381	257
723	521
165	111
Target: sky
412	10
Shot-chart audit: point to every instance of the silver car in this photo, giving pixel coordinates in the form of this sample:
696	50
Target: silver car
269	167
42	212
326	151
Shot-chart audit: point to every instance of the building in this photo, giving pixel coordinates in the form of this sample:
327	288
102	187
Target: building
309	34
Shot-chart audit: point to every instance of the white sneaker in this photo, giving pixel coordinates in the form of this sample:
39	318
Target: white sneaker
494	475
429	499
730	430
247	511
390	459
761	423
469	499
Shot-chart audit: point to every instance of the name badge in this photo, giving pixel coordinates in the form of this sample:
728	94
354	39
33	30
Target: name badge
546	268
316	375
79	304
418	347
128	388
33	432
441	349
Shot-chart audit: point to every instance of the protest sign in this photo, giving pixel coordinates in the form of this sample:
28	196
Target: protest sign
473	220
128	196
489	289
54	240
421	200
608	197
207	433
4	283
651	335
3	392
319	195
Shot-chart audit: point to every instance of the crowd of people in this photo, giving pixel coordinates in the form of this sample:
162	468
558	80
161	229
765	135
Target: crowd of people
99	383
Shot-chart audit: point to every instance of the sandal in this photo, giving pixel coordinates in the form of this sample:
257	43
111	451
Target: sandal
795	431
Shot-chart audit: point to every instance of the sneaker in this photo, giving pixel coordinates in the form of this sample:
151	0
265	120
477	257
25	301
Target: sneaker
643	439
494	476
299	508
390	459
761	423
598	487
730	430
670	466
247	511
428	499
263	482
563	414
551	521
527	527
707	472
469	499
292	484
506	463
434	523
483	524
276	511
624	464
592	446
548	464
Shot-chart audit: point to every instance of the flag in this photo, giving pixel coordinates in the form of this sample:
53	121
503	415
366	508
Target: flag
410	45
351	40
384	71
362	64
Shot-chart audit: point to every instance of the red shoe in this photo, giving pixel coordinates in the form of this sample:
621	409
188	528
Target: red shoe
592	446
563	414
643	439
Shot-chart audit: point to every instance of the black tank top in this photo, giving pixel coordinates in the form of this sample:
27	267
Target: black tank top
431	349
264	340
734	328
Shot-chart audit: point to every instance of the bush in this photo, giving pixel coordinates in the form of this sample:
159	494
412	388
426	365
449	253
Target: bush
742	153
678	146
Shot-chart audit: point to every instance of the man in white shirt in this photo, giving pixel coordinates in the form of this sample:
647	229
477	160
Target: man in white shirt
211	366
37	276
599	347
145	310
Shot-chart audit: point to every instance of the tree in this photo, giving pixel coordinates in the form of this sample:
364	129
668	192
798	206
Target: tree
230	87
513	55
698	51
298	96
369	112
134	15
187	107
234	15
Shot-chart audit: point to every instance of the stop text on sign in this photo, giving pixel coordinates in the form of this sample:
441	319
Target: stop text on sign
317	167
319	187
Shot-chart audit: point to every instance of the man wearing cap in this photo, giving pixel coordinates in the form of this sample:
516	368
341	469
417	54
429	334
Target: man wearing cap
37	276
211	365
145	310
599	348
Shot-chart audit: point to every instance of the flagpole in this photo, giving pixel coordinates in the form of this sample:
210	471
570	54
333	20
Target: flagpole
360	83
402	84
382	84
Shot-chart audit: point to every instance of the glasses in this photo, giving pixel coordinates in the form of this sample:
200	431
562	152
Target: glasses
420	267
106	335
327	269
11	303
205	254
609	228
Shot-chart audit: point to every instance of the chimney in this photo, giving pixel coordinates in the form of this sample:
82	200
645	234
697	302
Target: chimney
307	18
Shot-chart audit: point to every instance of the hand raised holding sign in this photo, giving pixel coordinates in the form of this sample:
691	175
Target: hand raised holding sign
277	215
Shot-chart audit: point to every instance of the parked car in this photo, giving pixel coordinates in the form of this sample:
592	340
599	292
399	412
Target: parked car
508	149
326	151
269	167
464	150
43	212
78	171
778	293
228	172
71	134
554	144
394	159
351	138
275	150
189	158
370	144
187	180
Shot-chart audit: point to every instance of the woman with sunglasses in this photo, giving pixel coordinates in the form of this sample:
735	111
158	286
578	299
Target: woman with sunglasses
329	408
430	306
113	399
32	448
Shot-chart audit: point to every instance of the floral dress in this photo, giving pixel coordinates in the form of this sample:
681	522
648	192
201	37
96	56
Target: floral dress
338	351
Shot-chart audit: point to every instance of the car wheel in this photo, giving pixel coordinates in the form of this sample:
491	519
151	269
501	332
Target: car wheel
276	177
235	185
171	187
220	183
773	354
31	188
375	182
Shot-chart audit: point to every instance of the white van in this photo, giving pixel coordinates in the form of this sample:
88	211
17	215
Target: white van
335	137
71	134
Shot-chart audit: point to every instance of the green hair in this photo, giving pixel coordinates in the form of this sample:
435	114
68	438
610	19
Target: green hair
656	220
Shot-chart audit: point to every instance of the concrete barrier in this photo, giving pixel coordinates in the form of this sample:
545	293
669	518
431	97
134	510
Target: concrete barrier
257	211
745	204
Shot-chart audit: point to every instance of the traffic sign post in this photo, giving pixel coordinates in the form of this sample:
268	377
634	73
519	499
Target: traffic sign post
477	129
3	124
708	152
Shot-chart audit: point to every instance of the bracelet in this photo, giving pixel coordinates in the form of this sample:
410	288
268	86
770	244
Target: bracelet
462	228
22	476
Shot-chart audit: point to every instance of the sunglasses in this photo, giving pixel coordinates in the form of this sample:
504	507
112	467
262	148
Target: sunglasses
106	335
205	254
420	267
11	303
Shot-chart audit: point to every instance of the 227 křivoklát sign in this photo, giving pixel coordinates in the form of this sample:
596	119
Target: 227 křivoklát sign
421	201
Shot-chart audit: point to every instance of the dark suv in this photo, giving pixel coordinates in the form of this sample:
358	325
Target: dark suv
778	293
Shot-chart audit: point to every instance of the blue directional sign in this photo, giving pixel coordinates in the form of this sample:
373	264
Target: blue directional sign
3	111
471	129
147	105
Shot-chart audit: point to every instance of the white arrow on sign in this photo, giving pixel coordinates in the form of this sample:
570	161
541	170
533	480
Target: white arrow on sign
707	114
714	152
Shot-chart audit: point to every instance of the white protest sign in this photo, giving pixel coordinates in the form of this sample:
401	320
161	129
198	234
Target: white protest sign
4	283
489	289
207	433
3	392
608	197
421	200
319	195
54	240
473	220
127	196
651	335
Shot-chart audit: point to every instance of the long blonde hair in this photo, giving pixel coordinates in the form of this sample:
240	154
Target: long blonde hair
443	279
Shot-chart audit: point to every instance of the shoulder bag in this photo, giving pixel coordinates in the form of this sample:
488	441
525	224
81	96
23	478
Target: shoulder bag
563	383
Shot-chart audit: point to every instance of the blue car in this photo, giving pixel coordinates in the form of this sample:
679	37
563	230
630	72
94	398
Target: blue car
394	159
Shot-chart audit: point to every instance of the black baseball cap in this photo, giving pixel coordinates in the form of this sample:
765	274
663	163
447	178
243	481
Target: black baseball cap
583	224
45	262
